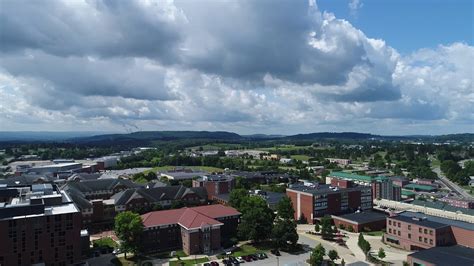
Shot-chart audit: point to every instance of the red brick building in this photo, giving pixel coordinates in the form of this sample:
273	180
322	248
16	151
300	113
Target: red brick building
39	224
458	202
195	230
416	231
215	184
361	221
313	201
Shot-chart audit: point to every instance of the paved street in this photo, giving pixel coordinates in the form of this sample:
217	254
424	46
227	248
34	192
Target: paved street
452	186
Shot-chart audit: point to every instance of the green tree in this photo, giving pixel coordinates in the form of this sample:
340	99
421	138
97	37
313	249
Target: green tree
317	256
285	209
332	254
284	233
317	228
381	253
326	228
129	229
257	219
237	197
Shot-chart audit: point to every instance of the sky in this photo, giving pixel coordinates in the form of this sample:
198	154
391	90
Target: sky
391	67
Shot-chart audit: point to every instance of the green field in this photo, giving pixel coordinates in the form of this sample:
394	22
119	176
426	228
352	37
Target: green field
196	168
285	148
301	157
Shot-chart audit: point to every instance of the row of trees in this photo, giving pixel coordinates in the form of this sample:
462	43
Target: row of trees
455	173
317	256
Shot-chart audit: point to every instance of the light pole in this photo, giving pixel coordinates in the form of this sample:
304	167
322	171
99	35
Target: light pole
278	261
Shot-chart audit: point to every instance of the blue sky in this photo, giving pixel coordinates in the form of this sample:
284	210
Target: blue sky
252	66
409	25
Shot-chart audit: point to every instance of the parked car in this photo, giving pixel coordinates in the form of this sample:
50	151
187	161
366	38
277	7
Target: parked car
206	264
254	256
275	252
262	256
214	263
247	258
240	259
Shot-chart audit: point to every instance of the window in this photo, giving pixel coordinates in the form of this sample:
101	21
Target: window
419	230
389	222
420	238
399	233
425	231
426	240
409	227
431	232
399	225
409	236
431	241
390	230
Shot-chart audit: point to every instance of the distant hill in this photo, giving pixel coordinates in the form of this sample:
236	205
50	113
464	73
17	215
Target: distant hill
333	135
45	135
147	136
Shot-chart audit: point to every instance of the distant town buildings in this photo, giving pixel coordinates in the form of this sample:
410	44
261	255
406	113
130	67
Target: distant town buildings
215	184
458	202
182	174
338	161
382	187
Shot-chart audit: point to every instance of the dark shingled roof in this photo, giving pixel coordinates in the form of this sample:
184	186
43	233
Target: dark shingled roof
452	255
364	217
158	193
99	184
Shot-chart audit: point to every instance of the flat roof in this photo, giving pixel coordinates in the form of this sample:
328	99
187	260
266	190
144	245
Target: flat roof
363	217
431	221
440	205
324	189
451	255
419	187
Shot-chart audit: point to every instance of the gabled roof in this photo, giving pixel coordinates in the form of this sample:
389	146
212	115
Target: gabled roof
99	184
158	194
217	210
190	218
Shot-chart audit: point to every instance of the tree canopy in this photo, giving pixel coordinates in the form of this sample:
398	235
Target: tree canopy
129	229
256	222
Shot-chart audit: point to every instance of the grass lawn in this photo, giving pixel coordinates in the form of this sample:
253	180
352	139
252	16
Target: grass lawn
170	167
374	233
189	262
284	148
105	242
469	189
245	250
301	157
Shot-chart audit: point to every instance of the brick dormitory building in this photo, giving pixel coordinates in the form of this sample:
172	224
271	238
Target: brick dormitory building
195	230
39	224
311	201
417	231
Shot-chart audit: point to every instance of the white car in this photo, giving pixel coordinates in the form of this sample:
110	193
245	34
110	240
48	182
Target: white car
240	260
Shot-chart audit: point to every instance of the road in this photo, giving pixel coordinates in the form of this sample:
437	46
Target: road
452	186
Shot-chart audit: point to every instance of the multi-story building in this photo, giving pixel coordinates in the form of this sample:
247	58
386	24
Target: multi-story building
451	255
339	161
215	184
315	200
382	187
195	230
99	188
415	231
459	202
39	224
